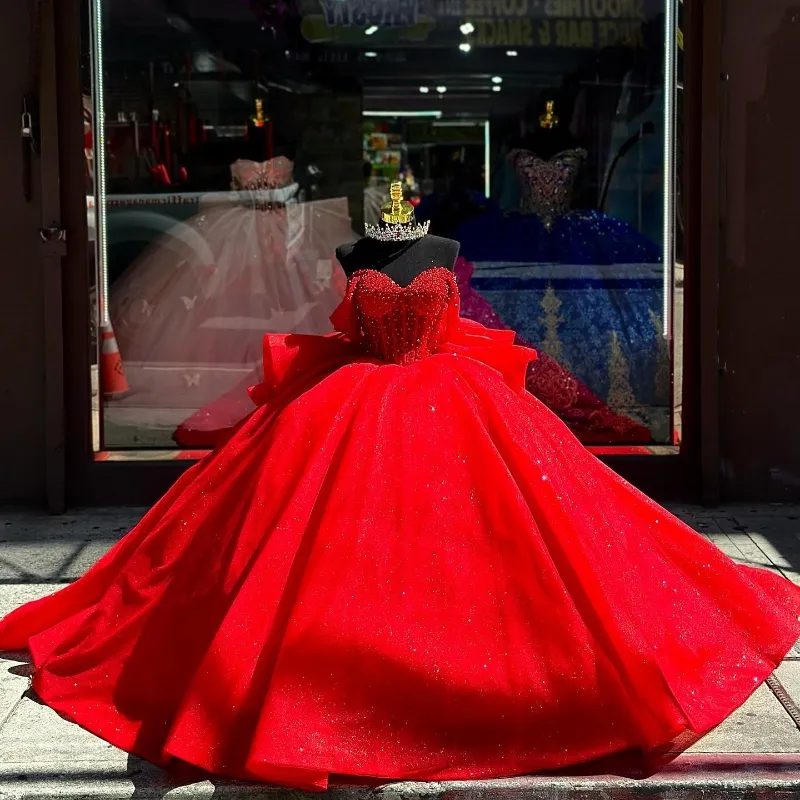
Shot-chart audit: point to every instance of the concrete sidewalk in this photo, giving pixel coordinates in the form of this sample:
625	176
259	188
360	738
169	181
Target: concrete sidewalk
756	753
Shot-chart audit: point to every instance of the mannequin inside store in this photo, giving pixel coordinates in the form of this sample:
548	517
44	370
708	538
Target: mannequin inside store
238	207
402	260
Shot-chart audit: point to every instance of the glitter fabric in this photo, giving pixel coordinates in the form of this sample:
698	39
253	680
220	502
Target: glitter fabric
254	175
399	325
587	416
397	233
545	229
547	184
404	569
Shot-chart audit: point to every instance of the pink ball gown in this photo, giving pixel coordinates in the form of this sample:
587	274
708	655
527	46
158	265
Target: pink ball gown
403	566
590	419
190	314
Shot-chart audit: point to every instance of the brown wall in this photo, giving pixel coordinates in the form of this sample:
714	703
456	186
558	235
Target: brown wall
21	295
759	287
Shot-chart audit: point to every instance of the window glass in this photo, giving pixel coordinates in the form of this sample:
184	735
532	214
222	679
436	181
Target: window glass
232	146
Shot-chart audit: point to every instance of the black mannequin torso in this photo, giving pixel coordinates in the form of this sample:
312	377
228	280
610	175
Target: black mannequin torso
401	261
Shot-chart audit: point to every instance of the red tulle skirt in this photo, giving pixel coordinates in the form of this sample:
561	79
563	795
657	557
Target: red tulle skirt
404	573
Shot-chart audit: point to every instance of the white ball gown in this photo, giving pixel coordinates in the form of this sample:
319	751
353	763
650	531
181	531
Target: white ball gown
190	314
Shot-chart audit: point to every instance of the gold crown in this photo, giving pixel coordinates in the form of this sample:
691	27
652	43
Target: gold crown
397	211
548	119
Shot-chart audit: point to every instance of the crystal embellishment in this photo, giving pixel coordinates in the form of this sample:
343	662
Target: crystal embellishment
398	233
547	183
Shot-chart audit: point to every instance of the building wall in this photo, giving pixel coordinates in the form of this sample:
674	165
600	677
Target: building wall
21	286
759	286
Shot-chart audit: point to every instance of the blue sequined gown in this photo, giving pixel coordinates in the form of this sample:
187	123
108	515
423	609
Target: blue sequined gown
546	229
589	285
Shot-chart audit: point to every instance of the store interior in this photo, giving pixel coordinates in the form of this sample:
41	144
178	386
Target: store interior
230	147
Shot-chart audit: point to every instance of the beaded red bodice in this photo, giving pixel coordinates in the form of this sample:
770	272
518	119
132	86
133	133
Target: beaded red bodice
395	323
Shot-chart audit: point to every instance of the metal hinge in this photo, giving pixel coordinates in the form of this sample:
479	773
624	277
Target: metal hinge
29	135
55	240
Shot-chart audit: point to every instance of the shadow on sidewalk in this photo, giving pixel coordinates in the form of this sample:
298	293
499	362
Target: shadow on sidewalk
41	549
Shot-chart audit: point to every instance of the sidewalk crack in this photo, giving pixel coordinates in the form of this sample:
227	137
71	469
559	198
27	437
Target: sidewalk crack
4	719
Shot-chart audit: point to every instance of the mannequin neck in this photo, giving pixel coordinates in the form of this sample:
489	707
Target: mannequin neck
401	261
548	142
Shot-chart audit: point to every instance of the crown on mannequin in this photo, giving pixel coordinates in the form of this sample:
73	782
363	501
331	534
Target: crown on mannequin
548	119
397	217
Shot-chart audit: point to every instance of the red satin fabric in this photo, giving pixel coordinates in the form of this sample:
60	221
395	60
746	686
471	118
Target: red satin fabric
405	572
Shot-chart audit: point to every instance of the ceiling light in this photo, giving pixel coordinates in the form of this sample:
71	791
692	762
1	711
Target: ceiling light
441	89
372	29
497	79
424	89
467	28
511	53
495	88
370	54
465	47
399	113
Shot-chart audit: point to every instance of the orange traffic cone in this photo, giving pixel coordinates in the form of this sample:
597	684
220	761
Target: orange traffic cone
112	373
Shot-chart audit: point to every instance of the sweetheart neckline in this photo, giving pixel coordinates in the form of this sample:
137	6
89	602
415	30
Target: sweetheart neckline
395	283
578	151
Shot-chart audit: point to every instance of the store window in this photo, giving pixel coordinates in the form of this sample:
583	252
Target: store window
232	146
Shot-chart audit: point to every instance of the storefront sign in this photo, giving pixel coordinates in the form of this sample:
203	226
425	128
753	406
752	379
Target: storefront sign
585	24
365	13
639	10
561	33
595	9
347	22
571	24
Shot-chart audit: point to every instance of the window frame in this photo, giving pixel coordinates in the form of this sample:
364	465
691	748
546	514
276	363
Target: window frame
688	472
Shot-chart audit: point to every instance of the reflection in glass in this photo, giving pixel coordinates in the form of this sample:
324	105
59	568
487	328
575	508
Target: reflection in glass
241	143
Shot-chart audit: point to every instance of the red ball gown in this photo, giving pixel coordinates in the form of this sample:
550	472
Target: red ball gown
587	417
402	565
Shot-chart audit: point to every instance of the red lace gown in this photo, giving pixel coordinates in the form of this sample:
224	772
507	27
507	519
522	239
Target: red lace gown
404	566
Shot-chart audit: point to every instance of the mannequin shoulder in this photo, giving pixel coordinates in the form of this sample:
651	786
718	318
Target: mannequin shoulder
344	251
446	250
